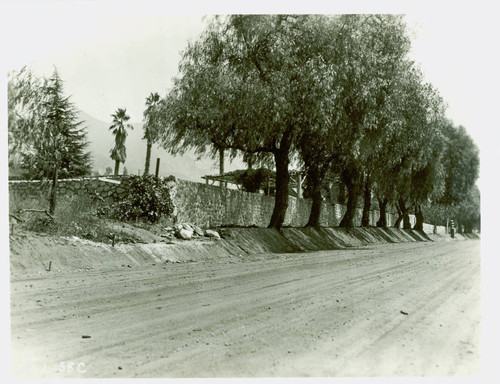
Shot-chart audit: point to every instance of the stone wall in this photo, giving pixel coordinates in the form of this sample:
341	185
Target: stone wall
109	189
201	204
209	205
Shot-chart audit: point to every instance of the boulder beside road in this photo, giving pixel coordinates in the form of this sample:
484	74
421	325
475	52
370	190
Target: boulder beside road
212	233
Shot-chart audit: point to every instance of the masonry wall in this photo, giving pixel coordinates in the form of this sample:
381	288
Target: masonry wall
200	204
108	189
211	205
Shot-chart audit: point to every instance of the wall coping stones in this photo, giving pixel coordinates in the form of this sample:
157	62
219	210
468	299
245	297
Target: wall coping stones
109	180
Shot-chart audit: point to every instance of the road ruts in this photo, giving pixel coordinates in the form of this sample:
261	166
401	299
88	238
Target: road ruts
408	309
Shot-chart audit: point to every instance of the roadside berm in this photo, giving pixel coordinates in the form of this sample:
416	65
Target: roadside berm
36	253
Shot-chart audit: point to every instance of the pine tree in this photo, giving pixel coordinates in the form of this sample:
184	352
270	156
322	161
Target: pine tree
53	134
45	122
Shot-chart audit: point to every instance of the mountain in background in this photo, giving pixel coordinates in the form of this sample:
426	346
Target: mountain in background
186	167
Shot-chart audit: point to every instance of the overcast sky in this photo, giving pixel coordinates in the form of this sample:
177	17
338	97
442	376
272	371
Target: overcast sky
113	54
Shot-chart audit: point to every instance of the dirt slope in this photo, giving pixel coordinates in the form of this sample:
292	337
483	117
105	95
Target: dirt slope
32	254
405	309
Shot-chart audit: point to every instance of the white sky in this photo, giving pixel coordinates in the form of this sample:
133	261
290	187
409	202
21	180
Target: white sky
113	54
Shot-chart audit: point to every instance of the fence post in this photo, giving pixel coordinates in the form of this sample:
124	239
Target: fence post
299	185
157	168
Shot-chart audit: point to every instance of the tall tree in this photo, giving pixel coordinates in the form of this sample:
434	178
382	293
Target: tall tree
319	109
43	125
197	111
119	128
376	46
415	162
360	56
461	162
152	125
238	87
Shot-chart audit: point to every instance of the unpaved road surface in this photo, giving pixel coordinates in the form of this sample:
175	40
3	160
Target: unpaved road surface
408	309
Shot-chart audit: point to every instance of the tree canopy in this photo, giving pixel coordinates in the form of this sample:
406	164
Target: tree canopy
338	93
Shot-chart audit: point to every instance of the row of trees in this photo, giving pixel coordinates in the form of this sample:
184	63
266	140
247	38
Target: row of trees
337	94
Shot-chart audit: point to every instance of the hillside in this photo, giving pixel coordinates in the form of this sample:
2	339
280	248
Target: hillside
185	167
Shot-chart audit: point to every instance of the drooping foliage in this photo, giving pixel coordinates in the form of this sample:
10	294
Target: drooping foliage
240	88
338	94
461	163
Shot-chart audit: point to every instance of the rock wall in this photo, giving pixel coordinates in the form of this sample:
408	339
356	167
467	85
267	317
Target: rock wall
200	204
109	189
209	205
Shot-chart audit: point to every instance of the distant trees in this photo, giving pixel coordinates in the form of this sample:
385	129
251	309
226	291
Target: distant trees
461	164
44	130
119	128
468	211
460	197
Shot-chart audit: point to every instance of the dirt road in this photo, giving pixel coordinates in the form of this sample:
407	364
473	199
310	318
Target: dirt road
408	309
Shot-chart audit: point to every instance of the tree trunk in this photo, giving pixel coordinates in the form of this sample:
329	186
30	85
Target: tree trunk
382	206
419	223
341	197
250	160
399	219
52	199
365	219
281	195
117	167
403	215
149	144
352	184
468	227
314	181
221	166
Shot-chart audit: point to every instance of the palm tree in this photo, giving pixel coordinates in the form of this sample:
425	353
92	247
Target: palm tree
151	125
119	128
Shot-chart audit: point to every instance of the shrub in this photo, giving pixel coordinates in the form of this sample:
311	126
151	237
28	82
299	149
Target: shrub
148	199
74	216
251	179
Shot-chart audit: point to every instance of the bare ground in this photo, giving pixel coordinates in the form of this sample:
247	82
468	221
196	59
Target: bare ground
409	309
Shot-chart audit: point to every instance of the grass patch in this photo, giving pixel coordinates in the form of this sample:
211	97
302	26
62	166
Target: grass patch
74	216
